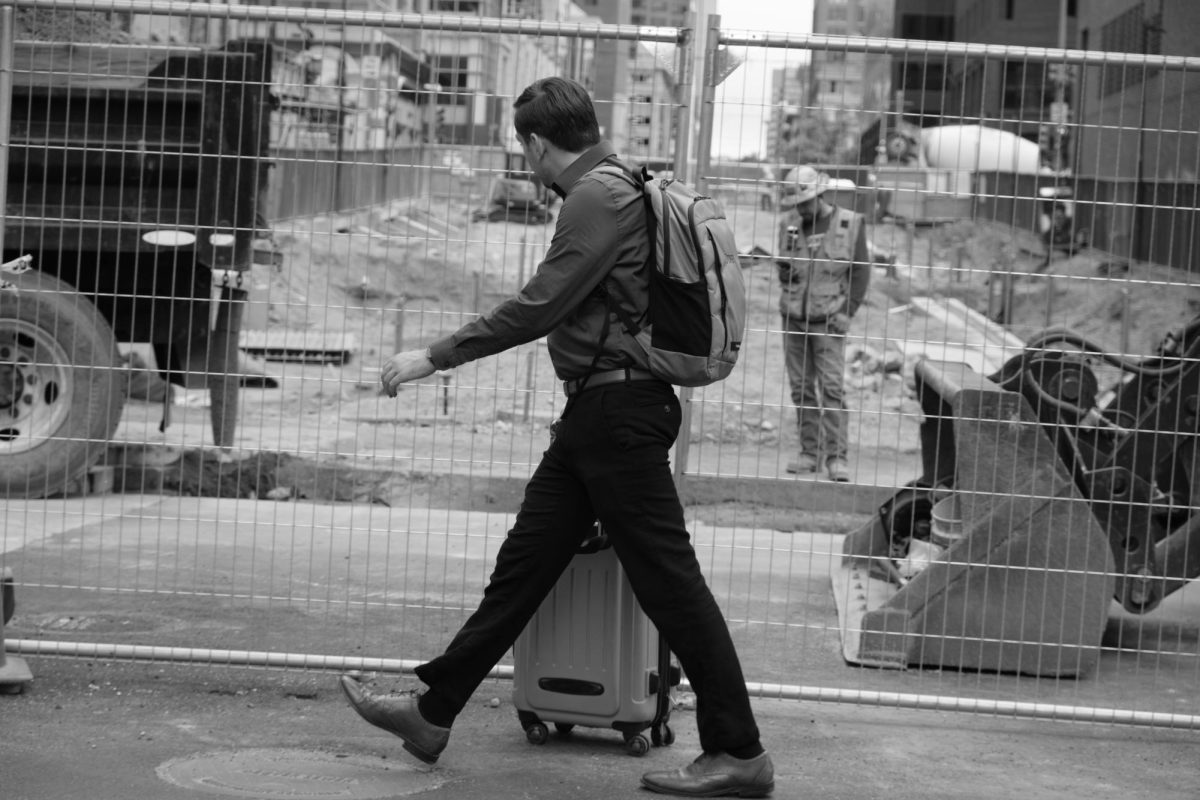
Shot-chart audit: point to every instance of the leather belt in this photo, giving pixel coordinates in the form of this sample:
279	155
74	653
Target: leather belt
606	377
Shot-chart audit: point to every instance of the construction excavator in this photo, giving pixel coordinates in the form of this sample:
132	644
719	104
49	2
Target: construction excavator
1043	496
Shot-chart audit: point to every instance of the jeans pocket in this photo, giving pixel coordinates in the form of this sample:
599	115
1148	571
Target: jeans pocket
638	417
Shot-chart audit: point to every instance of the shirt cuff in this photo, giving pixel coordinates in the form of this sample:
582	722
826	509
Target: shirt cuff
441	353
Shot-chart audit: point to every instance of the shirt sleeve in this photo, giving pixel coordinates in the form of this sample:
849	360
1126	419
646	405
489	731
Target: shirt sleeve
581	252
860	271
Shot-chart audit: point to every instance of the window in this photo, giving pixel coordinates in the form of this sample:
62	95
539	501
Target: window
934	27
1025	86
456	6
452	73
1129	32
923	76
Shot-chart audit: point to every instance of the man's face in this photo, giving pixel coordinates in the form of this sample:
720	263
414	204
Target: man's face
807	210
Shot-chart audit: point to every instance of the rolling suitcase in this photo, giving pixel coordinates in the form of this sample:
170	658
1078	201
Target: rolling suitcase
590	656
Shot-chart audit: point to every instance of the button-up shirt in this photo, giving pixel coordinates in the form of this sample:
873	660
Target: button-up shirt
600	234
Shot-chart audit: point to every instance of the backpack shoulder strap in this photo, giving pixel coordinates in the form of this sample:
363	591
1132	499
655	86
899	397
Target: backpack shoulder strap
638	179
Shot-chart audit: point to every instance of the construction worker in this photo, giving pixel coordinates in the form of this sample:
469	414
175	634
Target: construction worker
824	268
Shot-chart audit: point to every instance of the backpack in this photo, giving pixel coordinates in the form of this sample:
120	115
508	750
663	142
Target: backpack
697	312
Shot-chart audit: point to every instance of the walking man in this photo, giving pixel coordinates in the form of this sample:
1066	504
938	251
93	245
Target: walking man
824	269
608	460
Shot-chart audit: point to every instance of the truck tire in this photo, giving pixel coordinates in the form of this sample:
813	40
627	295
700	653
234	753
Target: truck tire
62	386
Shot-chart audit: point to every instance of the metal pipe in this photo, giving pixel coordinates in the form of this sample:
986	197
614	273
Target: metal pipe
776	691
377	19
917	48
200	655
1005	708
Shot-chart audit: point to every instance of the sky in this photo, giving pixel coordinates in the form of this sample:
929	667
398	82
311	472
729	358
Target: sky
744	96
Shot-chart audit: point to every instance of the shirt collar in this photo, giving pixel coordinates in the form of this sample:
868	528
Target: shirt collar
587	161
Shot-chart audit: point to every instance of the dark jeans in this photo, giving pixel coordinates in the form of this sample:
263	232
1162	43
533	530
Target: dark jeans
609	461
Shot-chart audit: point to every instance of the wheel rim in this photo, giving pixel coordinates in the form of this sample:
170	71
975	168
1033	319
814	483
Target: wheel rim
36	384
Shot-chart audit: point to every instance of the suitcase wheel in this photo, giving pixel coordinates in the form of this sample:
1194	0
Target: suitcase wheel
662	735
537	733
637	745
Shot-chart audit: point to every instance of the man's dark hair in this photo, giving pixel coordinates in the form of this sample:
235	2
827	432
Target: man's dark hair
560	111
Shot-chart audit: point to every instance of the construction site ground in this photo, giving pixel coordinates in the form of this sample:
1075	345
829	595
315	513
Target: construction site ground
404	274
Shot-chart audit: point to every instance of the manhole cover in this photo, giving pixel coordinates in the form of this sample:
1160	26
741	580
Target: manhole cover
271	774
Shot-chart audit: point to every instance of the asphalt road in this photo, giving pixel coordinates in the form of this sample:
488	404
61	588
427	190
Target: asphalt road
211	573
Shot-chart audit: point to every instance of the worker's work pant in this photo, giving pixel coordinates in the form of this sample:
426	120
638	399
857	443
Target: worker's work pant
815	357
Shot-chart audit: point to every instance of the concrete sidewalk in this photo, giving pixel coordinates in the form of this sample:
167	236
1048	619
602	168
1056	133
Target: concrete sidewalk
252	575
116	731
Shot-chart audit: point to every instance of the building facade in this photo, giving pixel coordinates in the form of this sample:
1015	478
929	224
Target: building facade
451	87
846	81
1139	124
789	97
849	89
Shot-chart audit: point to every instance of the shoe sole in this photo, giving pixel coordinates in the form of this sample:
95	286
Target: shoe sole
416	751
749	791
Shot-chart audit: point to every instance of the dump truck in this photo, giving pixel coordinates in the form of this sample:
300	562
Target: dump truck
134	175
1044	496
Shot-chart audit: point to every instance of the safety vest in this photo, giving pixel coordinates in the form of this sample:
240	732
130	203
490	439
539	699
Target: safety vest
814	270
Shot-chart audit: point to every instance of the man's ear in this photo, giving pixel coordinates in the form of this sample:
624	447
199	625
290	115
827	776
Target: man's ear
537	146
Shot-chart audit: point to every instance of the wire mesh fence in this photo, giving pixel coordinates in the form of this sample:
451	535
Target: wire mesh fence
236	213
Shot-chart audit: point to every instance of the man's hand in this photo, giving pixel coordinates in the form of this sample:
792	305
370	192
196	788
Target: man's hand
839	322
403	367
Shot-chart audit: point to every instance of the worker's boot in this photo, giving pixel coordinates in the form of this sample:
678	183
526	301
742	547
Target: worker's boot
838	470
804	463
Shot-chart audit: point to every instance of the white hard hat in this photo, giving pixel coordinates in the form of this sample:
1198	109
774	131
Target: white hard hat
801	184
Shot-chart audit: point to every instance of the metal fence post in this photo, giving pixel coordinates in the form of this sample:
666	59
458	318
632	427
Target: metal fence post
6	83
711	32
14	674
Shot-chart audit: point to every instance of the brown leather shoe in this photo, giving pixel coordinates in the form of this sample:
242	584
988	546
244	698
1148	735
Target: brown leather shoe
716	775
399	715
